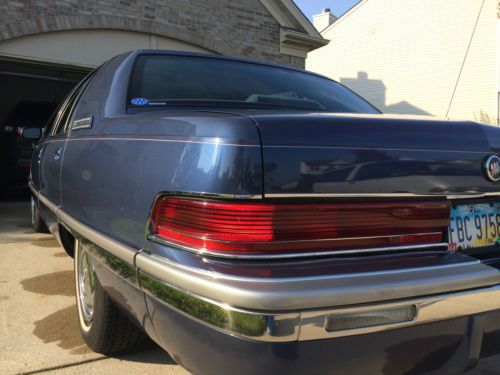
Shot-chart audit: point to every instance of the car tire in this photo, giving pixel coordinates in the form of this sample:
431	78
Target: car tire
103	327
36	220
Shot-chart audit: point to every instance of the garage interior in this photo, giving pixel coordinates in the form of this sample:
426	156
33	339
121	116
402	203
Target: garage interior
30	91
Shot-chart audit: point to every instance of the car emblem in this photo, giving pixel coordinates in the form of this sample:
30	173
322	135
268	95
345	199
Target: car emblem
492	168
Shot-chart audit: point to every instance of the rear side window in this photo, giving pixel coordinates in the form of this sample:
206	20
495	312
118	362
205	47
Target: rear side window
66	109
163	80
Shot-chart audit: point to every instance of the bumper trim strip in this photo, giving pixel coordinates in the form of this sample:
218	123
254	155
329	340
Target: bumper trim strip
429	309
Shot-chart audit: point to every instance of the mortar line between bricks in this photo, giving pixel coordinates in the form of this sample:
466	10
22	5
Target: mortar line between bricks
66	365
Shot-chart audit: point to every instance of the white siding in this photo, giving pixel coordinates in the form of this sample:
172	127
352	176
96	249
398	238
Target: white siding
407	56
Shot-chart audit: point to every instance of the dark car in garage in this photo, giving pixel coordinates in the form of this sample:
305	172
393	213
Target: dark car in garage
15	150
260	219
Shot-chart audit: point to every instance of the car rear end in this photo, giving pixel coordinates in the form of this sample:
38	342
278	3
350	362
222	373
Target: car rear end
402	279
372	246
408	310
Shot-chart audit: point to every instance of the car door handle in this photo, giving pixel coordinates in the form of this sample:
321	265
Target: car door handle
57	154
40	152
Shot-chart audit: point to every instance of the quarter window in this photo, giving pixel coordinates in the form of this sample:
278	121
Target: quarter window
67	108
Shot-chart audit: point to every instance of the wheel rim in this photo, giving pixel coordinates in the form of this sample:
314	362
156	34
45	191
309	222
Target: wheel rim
86	286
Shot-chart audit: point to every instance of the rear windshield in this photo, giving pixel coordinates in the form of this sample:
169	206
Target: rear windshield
173	81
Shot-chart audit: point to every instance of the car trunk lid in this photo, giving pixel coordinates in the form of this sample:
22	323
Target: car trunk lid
345	154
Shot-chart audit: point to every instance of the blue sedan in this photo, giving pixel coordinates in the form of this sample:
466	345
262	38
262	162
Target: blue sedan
259	219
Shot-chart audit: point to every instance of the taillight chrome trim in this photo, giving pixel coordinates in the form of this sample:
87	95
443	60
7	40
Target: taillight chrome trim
440	246
225	198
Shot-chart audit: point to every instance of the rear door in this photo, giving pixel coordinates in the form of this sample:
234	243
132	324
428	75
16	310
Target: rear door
51	153
38	150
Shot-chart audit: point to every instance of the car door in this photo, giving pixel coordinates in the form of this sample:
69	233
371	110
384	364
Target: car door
51	153
38	149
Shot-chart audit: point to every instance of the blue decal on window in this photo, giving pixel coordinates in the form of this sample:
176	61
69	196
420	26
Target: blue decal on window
139	101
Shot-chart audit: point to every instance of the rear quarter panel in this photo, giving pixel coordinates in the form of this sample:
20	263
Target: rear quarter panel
110	178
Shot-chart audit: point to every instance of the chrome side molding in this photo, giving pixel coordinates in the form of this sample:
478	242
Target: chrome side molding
121	251
383	195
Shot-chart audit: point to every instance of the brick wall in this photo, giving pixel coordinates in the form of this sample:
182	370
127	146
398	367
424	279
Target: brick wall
242	28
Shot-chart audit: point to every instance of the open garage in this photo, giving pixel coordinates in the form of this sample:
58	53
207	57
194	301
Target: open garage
29	92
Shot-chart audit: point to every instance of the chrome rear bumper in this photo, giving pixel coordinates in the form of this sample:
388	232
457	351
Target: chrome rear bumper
303	324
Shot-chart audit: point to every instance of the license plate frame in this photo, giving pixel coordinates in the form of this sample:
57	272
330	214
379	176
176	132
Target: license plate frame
474	226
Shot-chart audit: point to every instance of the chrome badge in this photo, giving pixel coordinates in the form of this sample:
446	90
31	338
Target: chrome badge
492	168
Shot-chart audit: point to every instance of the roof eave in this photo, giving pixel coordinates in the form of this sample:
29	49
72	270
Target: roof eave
299	44
297	35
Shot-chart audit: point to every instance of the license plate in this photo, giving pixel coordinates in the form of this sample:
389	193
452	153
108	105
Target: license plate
474	225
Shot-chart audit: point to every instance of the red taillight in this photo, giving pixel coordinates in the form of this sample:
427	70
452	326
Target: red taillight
255	228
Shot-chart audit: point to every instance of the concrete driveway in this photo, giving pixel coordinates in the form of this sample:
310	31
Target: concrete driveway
38	326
